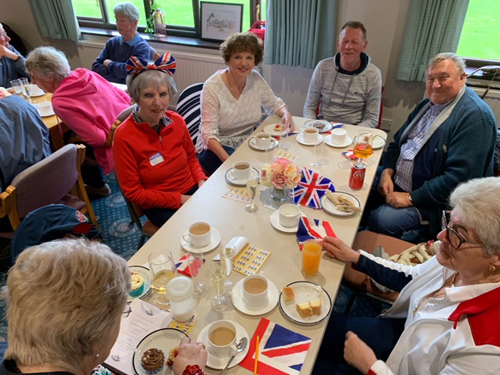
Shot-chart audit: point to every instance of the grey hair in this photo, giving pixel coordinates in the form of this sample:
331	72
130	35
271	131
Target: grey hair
128	10
478	203
457	60
149	78
64	299
48	62
355	25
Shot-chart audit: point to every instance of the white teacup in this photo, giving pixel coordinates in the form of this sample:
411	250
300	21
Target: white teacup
199	234
221	338
289	215
309	134
241	170
263	140
339	136
255	290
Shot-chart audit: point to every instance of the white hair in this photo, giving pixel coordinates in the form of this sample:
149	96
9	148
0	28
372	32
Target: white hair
128	10
48	62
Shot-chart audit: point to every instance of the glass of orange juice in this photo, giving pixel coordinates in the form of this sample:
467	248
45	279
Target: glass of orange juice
311	256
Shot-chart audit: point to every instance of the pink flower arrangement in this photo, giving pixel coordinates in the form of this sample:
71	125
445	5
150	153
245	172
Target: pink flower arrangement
281	174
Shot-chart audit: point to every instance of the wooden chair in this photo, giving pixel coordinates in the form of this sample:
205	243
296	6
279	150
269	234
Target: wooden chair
121	117
55	179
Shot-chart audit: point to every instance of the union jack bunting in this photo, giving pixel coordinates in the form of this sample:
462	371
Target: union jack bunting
281	351
313	230
165	63
311	189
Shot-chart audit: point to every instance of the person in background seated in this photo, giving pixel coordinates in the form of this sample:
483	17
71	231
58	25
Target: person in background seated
232	101
348	87
24	141
449	138
86	103
11	61
113	58
66	300
156	163
446	318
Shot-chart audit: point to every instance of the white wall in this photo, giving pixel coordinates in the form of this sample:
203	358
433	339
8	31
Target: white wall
384	20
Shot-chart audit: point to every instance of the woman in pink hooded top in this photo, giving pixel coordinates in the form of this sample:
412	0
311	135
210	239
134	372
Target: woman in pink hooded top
85	102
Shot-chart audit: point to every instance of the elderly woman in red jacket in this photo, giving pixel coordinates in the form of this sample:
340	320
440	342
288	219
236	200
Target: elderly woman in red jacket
155	159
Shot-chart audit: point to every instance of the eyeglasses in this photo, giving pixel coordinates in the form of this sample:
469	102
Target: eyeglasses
454	238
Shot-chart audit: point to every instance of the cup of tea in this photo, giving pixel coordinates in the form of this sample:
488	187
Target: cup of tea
311	256
198	235
309	134
221	338
241	170
255	290
263	140
289	215
339	136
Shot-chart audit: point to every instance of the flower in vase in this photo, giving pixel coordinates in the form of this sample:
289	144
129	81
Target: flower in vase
281	174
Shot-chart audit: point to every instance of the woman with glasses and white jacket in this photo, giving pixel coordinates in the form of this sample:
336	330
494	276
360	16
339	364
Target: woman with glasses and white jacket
446	318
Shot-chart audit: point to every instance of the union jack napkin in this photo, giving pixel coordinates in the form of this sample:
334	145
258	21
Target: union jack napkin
311	188
313	230
183	265
281	351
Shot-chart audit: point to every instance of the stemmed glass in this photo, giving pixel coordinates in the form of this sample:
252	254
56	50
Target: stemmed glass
26	89
319	147
252	186
363	147
218	279
162	268
195	263
226	258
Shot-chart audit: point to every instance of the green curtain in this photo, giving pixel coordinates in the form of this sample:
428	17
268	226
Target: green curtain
432	26
300	33
55	19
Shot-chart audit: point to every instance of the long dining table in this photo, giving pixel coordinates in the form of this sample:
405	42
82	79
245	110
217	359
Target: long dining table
284	264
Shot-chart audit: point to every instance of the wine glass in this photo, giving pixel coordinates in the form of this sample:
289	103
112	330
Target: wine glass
252	185
363	147
283	145
195	263
26	89
218	279
319	148
17	87
162	268
226	258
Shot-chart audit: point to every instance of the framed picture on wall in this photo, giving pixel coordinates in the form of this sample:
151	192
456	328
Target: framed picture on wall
219	20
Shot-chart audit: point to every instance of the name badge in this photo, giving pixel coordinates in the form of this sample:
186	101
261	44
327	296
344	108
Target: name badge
156	159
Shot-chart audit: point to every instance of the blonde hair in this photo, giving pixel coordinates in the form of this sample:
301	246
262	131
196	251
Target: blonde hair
64	298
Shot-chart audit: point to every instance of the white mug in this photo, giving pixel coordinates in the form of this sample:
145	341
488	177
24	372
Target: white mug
199	234
289	215
255	290
221	338
241	170
339	136
263	140
309	134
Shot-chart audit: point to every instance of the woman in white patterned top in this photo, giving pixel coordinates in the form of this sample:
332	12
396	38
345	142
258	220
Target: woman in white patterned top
232	101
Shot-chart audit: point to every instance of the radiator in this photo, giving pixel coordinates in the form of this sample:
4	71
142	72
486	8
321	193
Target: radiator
191	67
493	100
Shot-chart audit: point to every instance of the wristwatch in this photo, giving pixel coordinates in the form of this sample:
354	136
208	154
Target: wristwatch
409	198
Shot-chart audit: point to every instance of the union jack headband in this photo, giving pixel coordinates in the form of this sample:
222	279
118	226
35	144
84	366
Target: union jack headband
165	63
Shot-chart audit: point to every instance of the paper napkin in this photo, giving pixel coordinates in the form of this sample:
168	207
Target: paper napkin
281	351
311	188
183	265
313	230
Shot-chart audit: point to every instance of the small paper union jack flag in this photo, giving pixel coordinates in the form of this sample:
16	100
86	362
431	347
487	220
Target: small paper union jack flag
311	189
313	229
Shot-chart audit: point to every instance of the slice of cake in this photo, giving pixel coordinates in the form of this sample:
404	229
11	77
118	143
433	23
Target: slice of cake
304	309
316	306
288	294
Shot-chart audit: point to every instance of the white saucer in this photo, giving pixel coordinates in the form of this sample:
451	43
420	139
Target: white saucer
275	222
323	126
36	91
329	207
219	363
347	143
233	181
275	133
45	109
216	237
378	142
300	139
273	295
253	145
